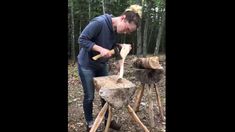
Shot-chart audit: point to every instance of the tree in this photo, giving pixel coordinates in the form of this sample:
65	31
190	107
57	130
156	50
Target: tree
139	35
103	3
72	31
159	37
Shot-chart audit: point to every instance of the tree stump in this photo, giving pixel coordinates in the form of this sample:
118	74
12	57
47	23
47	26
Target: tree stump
116	94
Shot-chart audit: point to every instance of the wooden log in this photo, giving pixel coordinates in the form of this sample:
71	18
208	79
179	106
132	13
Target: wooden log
150	106
116	94
138	98
99	118
159	103
109	119
147	63
136	118
124	52
149	76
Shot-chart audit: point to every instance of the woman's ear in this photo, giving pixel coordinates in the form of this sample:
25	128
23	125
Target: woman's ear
123	17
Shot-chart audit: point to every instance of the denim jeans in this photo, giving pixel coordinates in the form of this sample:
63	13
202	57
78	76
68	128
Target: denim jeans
86	75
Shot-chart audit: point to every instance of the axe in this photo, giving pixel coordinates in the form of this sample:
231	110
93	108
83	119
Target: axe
115	51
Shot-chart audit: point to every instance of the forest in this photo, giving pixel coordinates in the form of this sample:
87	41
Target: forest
147	41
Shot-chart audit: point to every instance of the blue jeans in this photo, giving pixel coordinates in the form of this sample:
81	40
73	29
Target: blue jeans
86	75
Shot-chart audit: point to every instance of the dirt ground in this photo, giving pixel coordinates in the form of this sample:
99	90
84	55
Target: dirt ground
76	121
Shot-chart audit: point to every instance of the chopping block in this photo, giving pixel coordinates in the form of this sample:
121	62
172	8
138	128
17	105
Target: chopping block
117	95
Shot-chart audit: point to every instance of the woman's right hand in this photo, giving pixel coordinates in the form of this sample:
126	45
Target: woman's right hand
105	53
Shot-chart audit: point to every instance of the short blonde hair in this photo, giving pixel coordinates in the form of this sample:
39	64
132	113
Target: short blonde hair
136	9
133	14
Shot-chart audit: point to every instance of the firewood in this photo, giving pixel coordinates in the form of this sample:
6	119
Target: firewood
150	105
109	119
138	98
124	52
99	118
148	63
159	103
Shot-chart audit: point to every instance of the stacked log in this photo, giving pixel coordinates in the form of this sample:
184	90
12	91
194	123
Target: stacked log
148	70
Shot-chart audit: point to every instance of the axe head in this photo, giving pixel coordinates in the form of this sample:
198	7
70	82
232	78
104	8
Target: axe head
117	54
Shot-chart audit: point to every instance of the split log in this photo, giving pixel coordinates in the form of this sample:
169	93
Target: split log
147	63
136	118
159	103
124	52
116	94
109	119
99	118
150	105
138	98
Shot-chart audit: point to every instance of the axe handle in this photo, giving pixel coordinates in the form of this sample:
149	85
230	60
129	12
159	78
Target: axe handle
99	55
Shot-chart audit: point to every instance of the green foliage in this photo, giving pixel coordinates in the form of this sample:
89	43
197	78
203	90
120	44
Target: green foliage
153	10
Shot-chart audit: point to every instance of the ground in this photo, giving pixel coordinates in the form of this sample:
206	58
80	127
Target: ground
76	121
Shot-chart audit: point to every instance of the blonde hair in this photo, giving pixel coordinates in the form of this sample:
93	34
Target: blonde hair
136	9
133	14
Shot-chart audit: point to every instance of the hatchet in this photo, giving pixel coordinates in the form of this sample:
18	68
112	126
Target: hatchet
114	51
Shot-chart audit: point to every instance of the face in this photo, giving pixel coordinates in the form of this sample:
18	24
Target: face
124	27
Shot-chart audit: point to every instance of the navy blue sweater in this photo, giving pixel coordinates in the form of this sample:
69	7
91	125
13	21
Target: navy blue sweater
100	32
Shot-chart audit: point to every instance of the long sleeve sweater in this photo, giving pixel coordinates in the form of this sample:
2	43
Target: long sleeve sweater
99	31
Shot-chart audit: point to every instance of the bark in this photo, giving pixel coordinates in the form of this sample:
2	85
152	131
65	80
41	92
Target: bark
145	38
148	76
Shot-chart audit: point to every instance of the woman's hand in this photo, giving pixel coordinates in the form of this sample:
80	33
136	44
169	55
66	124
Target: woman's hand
105	53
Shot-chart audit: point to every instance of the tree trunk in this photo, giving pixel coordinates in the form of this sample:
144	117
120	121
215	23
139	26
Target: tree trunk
72	29
80	31
103	3
89	8
139	41
145	37
163	40
139	36
159	36
151	31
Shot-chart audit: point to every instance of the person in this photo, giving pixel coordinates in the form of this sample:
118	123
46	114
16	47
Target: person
99	37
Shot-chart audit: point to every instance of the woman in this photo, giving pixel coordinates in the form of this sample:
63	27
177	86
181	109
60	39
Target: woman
99	37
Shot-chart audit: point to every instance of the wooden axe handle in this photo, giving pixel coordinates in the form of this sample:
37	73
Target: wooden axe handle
99	55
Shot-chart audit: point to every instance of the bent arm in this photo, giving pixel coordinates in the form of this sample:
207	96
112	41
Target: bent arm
91	31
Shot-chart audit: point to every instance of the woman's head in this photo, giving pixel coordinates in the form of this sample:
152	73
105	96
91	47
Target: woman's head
130	19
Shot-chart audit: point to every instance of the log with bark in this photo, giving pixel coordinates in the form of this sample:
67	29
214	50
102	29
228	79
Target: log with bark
148	76
147	63
148	70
